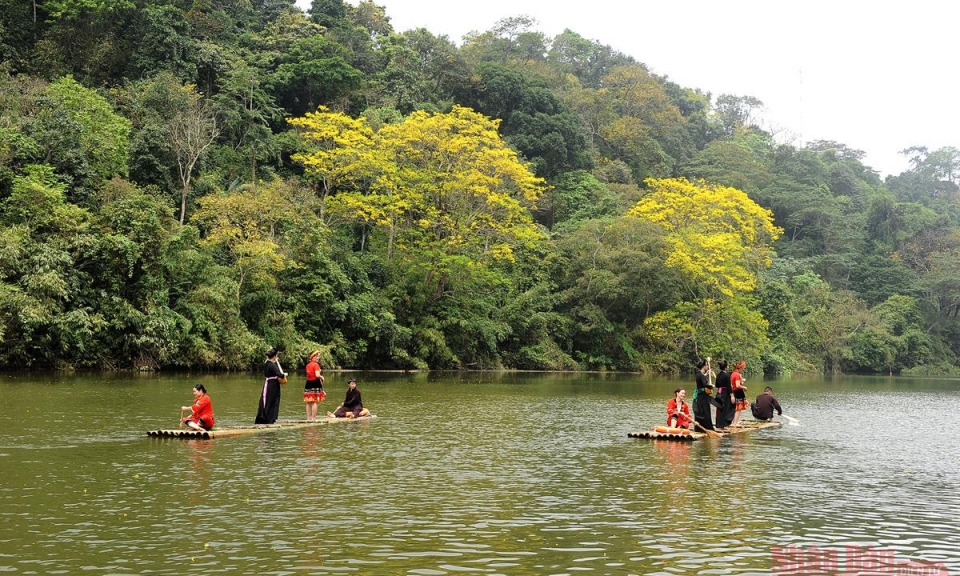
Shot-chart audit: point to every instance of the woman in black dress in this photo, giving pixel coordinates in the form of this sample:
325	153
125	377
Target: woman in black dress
268	409
726	408
702	401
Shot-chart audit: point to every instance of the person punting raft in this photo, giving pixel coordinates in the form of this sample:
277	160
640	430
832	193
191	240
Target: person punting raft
725	406
739	389
201	412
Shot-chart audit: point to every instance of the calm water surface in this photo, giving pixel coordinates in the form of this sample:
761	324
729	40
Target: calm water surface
477	474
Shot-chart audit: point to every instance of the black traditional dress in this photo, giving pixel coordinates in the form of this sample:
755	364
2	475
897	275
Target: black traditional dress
727	409
702	401
269	408
351	403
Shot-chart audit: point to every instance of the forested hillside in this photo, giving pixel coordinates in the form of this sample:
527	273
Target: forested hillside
184	183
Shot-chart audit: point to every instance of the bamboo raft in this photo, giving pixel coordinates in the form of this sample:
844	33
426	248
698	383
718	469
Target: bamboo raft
220	432
690	436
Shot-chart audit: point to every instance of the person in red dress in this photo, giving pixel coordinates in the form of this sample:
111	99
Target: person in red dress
313	392
678	412
739	391
201	413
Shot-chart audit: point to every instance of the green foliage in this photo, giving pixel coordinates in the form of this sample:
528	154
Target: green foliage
312	73
18	29
538	330
328	13
614	278
420	71
729	329
587	60
245	112
733	163
535	120
576	197
166	44
43	317
734	113
74	9
206	294
16	150
510	39
134	231
517	201
74	129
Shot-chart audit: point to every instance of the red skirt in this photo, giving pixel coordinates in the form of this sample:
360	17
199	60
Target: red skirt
314	395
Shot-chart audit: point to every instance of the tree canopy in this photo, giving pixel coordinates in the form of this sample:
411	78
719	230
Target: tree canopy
184	184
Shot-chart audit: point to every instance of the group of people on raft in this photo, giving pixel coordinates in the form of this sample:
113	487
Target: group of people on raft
730	400
268	408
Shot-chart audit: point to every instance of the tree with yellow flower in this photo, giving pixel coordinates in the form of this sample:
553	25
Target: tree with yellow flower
446	181
719	240
447	204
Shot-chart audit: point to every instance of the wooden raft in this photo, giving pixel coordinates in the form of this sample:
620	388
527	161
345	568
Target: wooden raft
747	426
221	431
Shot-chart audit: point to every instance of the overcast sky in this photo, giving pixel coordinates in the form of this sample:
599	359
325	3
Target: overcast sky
877	76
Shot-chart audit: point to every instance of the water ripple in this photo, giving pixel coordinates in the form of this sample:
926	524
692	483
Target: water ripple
516	477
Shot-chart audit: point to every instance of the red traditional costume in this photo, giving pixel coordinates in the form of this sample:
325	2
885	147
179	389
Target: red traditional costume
202	413
313	391
682	414
739	393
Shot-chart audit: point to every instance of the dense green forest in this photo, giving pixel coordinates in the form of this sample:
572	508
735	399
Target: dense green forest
184	183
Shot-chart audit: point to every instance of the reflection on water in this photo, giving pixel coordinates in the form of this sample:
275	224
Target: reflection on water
492	474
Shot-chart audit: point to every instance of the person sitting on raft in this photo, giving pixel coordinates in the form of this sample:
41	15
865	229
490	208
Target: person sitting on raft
201	413
678	413
765	404
352	406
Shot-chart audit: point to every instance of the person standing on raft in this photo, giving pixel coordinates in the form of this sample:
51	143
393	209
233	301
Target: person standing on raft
702	399
740	402
725	406
678	413
201	412
268	409
313	392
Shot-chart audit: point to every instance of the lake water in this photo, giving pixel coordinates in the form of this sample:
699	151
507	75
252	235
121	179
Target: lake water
478	473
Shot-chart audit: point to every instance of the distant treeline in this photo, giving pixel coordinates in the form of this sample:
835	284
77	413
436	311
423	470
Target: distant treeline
185	183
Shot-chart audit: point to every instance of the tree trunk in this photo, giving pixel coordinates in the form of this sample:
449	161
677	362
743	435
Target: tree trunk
183	201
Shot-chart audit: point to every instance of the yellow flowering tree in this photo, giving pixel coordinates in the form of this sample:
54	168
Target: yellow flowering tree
342	150
444	181
719	238
448	205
